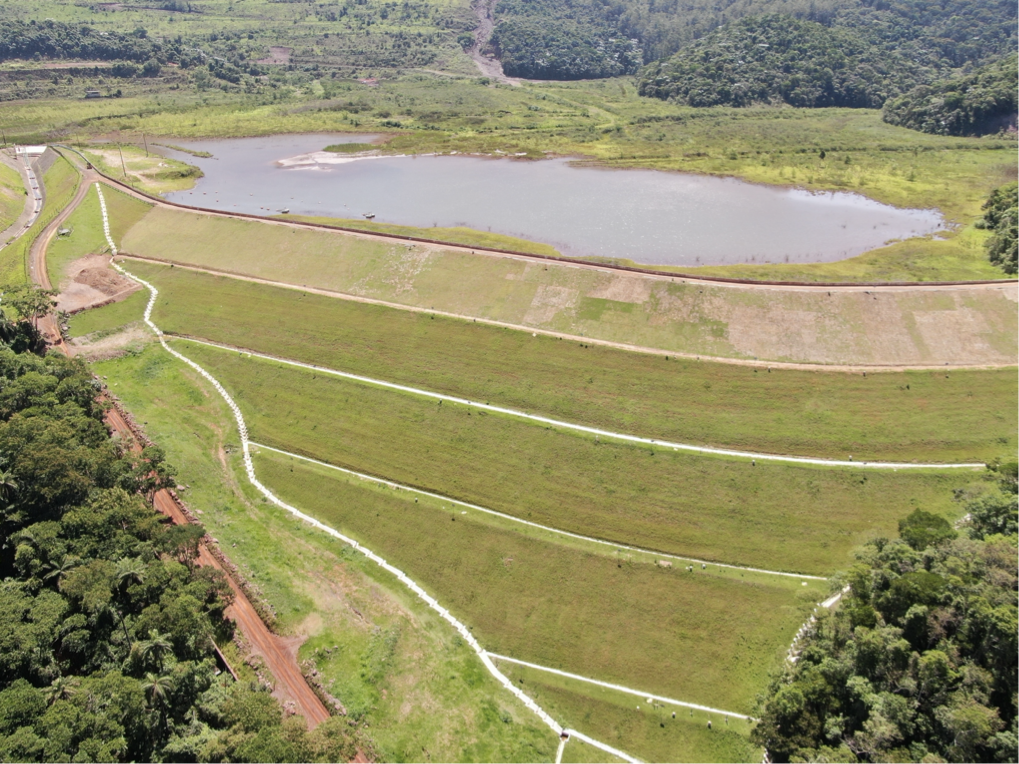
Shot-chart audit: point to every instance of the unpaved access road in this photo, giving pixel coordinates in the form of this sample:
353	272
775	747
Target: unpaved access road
290	683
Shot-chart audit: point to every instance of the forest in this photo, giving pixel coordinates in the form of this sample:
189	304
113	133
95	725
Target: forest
859	57
918	663
107	645
978	103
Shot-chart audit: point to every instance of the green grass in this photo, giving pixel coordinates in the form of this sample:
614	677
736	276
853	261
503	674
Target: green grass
629	723
109	318
832	414
467	237
12	196
429	698
86	237
705	638
673	315
802	519
61	183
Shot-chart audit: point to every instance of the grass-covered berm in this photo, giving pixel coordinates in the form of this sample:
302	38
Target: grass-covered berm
398	670
902	416
704	638
401	673
650	729
960	325
778	516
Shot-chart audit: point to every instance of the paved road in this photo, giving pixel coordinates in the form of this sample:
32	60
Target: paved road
33	203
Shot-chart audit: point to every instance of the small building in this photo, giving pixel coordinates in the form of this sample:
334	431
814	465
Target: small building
92	94
30	151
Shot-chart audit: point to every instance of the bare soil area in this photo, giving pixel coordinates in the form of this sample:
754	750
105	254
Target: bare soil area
91	281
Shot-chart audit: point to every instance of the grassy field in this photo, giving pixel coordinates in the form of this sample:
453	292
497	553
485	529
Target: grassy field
109	318
802	519
86	226
12	196
886	415
843	327
421	695
701	637
645	730
467	237
145	170
60	182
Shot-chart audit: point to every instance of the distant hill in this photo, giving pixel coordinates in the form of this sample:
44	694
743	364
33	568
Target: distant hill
780	59
974	104
565	39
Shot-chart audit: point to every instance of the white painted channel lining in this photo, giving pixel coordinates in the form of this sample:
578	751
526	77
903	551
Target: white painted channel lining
548	528
406	580
593	430
620	688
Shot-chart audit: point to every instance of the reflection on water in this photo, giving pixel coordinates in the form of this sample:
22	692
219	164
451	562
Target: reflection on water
644	215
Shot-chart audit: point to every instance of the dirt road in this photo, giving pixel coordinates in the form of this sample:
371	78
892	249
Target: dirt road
489	65
290	683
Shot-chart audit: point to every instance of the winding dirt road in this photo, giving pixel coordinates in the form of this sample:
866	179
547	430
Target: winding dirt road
290	683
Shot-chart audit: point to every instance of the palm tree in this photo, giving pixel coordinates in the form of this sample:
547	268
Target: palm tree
61	689
59	571
8	486
130	571
157	687
157	645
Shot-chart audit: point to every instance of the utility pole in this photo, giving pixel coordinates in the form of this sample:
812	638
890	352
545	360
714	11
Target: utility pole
122	166
146	144
5	138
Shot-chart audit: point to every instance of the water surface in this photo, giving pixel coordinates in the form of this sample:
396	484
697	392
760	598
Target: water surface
648	216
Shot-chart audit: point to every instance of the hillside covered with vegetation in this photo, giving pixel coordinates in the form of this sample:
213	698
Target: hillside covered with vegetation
107	641
918	662
857	55
978	103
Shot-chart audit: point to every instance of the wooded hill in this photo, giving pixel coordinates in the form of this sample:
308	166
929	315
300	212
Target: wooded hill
973	104
859	56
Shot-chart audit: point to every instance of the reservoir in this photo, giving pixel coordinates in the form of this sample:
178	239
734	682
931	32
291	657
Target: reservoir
648	216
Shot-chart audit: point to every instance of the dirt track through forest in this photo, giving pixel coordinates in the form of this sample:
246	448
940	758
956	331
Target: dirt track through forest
290	683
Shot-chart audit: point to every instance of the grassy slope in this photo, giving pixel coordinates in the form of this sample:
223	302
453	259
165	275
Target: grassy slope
431	697
692	318
775	516
12	196
465	236
60	182
645	730
109	317
86	224
704	638
820	414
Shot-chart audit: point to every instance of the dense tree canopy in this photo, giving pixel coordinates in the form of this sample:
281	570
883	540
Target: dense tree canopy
861	58
918	662
1001	214
981	102
778	59
108	628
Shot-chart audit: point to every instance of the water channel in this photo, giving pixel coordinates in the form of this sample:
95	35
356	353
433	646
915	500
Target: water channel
647	216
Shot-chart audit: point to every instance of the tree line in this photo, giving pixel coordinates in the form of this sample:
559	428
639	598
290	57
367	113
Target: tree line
1001	217
918	661
107	644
